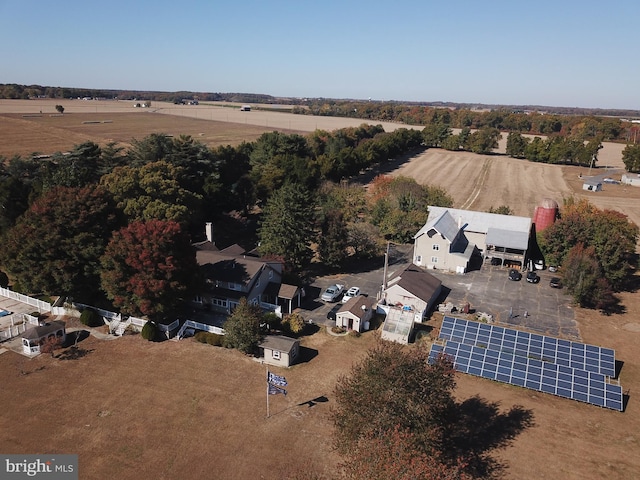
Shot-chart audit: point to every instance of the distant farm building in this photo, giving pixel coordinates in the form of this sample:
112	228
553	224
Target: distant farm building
632	179
592	185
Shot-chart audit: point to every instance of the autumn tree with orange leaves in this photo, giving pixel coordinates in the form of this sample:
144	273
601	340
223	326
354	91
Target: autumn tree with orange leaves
607	237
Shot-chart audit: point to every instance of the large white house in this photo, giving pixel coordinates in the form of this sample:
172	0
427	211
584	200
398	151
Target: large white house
451	237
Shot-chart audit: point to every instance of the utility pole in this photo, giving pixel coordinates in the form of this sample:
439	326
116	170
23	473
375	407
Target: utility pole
593	159
386	266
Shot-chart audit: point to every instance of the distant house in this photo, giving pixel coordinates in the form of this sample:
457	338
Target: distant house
412	290
279	350
356	313
34	338
451	237
631	179
592	185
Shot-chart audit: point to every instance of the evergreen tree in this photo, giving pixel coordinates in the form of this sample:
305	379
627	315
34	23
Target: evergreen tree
242	328
287	226
333	240
55	247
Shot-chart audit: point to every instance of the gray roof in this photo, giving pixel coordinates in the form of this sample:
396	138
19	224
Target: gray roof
43	330
592	181
479	222
507	238
230	268
279	343
444	224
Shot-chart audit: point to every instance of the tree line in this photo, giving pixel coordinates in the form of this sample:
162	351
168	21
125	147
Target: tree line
583	127
61	215
24	92
115	223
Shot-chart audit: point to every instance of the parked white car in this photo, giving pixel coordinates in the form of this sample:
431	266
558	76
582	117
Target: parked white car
332	293
352	292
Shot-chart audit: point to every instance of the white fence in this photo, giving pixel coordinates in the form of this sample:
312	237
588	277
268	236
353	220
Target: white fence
39	304
198	326
103	313
19	324
12	331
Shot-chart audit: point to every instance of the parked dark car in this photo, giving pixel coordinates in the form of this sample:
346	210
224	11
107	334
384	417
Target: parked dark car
555	282
515	275
533	277
332	313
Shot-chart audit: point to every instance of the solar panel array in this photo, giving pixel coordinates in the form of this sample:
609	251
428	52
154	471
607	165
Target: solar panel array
529	360
561	352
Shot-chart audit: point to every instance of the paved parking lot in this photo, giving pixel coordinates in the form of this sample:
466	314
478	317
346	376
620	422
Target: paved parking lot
490	290
487	290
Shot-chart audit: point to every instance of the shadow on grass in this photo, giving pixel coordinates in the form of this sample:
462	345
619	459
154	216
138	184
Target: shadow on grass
73	352
306	355
73	338
477	428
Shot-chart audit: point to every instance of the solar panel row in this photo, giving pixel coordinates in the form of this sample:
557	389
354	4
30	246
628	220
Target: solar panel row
561	352
542	376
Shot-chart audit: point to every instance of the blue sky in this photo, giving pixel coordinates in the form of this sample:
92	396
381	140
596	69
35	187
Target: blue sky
557	53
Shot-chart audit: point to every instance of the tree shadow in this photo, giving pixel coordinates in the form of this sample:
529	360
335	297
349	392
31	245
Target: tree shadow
74	353
73	338
477	427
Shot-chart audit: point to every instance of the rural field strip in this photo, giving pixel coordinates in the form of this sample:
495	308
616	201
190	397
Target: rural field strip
478	184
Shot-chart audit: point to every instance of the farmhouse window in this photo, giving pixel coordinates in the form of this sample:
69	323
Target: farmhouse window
276	354
219	302
436	246
434	259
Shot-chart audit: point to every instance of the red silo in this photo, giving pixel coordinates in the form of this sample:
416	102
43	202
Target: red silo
546	214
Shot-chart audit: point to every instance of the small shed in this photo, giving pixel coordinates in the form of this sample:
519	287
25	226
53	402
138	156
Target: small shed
356	313
592	185
34	338
279	350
